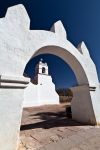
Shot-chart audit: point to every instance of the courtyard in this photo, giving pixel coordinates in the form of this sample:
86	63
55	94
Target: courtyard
48	128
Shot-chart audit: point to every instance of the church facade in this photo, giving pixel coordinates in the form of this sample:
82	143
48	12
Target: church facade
41	90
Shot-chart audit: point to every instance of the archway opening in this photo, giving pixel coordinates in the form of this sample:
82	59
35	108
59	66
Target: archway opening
61	73
50	117
68	58
53	117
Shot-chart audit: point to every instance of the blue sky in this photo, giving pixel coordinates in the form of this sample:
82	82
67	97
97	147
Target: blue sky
81	19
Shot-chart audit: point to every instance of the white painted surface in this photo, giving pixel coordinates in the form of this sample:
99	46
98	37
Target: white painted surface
81	105
18	44
11	98
27	43
36	95
41	94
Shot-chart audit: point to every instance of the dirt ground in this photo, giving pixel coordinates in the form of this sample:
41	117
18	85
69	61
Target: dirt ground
44	125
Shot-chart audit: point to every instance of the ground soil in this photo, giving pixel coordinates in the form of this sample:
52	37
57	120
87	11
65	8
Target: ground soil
44	126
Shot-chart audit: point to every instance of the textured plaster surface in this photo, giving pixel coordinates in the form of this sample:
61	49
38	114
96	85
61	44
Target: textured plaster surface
10	113
83	112
11	98
27	43
18	44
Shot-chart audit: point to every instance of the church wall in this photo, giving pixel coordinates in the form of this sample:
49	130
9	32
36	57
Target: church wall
41	94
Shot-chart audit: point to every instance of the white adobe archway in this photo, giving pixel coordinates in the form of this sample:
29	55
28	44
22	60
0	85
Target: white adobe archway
69	58
18	44
82	108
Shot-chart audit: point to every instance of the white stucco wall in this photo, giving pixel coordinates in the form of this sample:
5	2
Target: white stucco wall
11	100
41	94
18	44
25	43
83	112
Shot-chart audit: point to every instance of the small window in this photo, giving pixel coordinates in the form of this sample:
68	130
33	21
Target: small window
43	70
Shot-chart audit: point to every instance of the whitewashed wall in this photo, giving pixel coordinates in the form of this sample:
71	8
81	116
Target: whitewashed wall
18	44
41	94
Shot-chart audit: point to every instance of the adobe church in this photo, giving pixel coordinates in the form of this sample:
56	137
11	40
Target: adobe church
41	90
18	45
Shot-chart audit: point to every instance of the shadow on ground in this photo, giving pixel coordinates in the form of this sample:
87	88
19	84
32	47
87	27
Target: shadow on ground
50	120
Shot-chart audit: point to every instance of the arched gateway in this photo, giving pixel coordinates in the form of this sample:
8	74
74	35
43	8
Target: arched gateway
19	44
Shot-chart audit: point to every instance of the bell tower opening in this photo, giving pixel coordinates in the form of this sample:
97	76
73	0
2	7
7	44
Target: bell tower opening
43	70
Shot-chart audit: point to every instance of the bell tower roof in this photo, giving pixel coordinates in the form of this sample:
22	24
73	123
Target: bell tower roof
41	60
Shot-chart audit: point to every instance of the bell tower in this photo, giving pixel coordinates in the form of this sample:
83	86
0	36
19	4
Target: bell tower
41	90
41	73
41	68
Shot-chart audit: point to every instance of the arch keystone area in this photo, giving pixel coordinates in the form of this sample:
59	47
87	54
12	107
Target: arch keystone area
19	44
